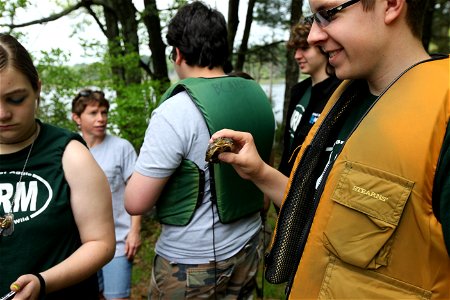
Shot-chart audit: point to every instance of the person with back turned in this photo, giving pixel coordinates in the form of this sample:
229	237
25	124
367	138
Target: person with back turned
211	239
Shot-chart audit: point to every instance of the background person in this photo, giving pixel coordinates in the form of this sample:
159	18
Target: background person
116	157
211	250
52	188
308	97
380	201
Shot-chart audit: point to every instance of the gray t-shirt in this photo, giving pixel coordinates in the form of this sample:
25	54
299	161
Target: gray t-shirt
177	130
116	157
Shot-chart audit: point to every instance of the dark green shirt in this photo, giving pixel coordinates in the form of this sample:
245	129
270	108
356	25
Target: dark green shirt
297	114
45	232
441	190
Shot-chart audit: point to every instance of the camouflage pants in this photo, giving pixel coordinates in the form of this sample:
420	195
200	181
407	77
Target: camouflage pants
235	276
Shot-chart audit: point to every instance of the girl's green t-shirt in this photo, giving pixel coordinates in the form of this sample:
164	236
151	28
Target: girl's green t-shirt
45	232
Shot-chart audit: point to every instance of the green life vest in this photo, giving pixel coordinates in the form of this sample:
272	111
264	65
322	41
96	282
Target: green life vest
225	102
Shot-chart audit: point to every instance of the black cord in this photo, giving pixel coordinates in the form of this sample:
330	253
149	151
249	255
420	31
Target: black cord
262	258
214	251
263	220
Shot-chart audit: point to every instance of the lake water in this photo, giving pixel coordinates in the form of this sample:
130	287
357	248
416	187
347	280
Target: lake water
276	94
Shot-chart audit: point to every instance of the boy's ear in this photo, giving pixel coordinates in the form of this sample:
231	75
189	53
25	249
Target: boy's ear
179	57
394	9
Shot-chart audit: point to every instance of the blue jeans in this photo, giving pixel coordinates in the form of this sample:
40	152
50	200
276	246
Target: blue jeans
114	279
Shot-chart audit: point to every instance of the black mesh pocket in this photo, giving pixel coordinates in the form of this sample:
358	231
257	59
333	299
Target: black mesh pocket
297	213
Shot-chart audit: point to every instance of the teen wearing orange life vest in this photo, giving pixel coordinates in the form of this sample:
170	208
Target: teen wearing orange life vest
390	137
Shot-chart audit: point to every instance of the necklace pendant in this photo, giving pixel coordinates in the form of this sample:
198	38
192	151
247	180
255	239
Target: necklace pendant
7	224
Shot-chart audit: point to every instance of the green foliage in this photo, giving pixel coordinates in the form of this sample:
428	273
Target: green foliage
134	102
59	84
131	104
142	264
134	105
270	291
8	8
273	13
266	62
440	33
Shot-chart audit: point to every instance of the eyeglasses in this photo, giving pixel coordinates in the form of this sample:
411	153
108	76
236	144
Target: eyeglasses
325	16
87	93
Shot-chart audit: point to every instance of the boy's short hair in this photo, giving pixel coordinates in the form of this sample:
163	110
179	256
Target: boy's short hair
299	36
299	40
415	14
86	97
200	33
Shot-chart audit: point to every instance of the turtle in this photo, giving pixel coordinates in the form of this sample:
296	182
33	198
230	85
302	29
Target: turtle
218	146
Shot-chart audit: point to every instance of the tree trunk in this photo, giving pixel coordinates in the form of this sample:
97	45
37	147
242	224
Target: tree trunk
121	31
123	39
233	22
114	47
244	45
127	17
292	71
156	44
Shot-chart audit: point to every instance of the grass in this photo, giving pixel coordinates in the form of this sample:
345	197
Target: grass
270	291
142	267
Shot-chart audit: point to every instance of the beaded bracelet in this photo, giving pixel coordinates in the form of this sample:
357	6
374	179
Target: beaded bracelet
43	287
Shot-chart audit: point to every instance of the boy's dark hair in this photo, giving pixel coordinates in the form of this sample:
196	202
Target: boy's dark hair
86	97
415	14
200	34
241	74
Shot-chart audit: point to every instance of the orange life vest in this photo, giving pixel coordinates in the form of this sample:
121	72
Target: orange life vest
374	234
